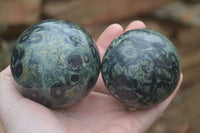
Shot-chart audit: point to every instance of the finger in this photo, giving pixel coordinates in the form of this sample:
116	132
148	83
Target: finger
146	117
107	37
135	25
103	42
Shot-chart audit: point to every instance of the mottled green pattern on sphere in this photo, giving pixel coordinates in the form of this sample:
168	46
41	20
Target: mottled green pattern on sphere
55	63
141	68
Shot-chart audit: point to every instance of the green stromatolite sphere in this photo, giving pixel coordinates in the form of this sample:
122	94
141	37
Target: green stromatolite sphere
141	68
55	63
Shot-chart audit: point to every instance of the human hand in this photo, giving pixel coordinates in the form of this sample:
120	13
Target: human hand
99	112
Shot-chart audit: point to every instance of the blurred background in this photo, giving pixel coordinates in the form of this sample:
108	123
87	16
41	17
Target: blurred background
179	20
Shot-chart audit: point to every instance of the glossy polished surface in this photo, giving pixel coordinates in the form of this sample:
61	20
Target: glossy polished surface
141	68
55	63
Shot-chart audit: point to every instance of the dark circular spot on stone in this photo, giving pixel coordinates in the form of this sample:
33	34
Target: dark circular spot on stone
75	61
18	70
74	78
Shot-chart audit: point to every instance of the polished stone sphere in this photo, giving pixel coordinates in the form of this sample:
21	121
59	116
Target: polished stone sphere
141	68
55	62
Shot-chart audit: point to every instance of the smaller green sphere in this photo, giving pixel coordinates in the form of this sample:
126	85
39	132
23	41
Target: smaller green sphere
141	68
55	62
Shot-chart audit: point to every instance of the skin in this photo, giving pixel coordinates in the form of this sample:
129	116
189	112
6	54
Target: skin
99	112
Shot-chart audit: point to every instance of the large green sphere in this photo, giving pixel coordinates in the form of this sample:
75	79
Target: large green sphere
141	68
55	63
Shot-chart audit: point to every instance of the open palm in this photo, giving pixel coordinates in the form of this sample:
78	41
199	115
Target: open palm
99	112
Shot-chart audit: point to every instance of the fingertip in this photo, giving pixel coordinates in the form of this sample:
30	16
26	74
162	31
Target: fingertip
115	27
137	24
109	34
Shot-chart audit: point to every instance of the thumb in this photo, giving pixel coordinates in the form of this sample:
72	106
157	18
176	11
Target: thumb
8	91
